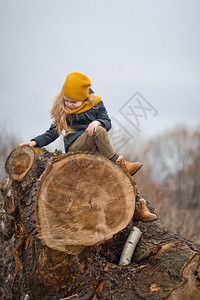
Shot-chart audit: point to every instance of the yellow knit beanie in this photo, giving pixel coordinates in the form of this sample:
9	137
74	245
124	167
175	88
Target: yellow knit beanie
76	86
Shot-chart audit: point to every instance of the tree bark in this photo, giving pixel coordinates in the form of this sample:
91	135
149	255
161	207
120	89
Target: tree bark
65	224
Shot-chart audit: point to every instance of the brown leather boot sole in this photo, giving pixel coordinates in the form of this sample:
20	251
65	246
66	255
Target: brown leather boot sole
142	212
146	218
138	168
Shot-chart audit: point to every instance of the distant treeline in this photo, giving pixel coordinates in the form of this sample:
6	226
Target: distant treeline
170	179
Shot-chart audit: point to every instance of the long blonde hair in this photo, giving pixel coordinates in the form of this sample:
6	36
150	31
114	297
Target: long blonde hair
60	114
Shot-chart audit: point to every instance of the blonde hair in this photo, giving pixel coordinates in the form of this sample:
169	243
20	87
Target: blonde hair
60	114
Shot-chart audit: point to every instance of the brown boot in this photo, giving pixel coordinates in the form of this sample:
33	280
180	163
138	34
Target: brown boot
131	167
142	212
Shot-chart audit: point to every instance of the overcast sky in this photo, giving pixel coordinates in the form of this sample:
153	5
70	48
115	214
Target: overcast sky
151	47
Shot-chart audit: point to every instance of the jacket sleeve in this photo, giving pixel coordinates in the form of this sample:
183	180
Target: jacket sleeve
46	138
102	116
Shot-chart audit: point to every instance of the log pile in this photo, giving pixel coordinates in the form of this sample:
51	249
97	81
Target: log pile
67	218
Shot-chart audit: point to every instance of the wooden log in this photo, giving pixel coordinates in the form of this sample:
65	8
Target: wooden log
164	265
25	161
82	199
19	162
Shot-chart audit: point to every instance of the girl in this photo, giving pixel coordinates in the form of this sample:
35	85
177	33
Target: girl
81	118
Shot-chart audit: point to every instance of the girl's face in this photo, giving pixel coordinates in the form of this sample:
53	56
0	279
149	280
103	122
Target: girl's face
71	104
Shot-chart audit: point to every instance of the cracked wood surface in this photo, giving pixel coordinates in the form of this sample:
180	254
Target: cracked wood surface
82	199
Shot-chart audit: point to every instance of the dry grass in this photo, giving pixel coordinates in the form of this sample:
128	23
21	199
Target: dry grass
175	197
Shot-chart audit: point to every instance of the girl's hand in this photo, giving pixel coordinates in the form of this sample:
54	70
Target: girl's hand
31	144
92	127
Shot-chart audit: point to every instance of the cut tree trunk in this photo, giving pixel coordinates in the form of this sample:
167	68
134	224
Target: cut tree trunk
66	220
